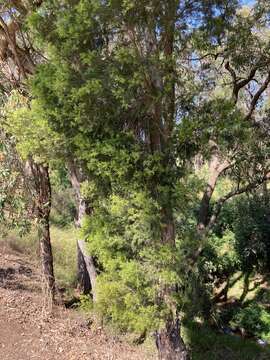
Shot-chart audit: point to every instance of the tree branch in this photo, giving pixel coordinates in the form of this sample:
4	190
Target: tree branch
257	96
239	84
218	206
217	167
217	209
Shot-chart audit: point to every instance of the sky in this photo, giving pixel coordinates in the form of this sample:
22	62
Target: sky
247	2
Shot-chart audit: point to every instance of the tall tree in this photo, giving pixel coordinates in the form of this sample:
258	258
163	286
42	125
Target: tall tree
18	61
241	72
134	107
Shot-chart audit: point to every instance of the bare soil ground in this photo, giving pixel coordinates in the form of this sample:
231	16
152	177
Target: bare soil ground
29	332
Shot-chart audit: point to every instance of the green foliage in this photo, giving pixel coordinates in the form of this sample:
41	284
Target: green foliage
123	234
25	122
133	111
207	344
220	259
254	319
63	209
217	264
244	226
14	197
86	304
252	232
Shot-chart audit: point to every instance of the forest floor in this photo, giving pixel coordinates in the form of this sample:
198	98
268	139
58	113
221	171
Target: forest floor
31	329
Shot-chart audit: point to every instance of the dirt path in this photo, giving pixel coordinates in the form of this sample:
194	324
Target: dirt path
28	332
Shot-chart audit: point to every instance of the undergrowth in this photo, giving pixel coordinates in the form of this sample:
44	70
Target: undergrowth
63	246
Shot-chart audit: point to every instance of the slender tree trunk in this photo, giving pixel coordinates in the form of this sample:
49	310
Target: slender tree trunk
42	191
204	222
89	269
246	286
46	255
160	101
86	270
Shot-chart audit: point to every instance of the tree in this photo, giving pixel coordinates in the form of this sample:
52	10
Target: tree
134	107
14	210
241	70
87	272
18	61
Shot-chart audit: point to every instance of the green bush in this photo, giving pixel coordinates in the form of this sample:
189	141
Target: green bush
207	344
252	232
63	209
254	319
219	259
122	233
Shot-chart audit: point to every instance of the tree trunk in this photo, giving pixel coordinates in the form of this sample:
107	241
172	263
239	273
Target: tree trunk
204	222
246	286
89	269
39	175
86	270
170	344
46	256
83	279
160	100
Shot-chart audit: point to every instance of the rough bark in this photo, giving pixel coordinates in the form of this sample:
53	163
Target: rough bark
46	255
170	344
41	187
86	270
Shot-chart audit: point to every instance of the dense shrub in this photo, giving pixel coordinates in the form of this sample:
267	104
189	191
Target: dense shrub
254	319
219	259
252	232
123	234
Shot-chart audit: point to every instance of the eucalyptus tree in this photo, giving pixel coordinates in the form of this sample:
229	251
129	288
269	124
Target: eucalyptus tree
237	144
18	62
15	205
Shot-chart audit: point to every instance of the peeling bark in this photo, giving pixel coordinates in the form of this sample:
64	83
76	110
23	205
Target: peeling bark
86	270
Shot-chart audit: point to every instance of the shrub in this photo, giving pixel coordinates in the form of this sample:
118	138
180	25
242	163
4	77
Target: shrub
122	233
252	233
254	319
